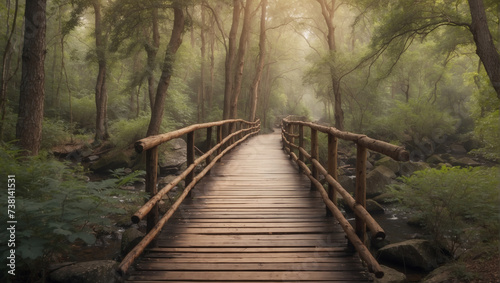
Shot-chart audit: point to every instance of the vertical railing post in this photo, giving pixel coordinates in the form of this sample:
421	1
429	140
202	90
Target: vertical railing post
360	194
301	145
190	158
289	130
332	169
283	129
219	140
151	188
314	154
208	144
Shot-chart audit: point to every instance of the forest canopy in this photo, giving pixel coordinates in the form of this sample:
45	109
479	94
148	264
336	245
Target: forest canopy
407	71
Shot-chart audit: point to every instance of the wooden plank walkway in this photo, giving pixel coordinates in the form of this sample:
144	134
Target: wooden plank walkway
254	219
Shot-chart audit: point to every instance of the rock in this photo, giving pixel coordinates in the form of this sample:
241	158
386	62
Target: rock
374	207
389	163
442	274
377	180
391	276
173	156
409	167
435	159
99	271
348	183
415	253
458	149
113	160
92	158
464	162
130	238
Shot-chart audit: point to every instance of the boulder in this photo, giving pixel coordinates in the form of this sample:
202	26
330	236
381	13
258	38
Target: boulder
409	167
374	207
386	198
99	271
458	149
464	162
377	180
113	160
435	159
391	276
130	238
415	253
442	274
389	163
173	156
348	183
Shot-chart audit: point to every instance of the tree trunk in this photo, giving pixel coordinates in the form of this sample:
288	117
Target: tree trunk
32	92
240	61
7	55
202	91
484	43
167	70
254	90
101	96
152	51
229	64
328	12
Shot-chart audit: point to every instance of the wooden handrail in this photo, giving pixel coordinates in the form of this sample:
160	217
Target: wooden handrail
150	145
362	217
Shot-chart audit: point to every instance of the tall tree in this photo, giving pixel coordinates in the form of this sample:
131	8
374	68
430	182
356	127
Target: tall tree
230	59
168	68
240	59
6	57
101	95
484	42
328	9
32	92
259	67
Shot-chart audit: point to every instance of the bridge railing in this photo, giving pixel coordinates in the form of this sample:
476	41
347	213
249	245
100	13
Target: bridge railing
292	130
241	130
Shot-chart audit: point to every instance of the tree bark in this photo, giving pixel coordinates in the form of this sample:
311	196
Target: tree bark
7	55
152	51
101	96
254	90
328	12
240	61
167	70
32	92
229	64
484	43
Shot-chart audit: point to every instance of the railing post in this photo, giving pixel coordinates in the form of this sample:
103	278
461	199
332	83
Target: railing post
208	144
332	168
301	145
360	195
289	130
190	158
219	139
283	134
151	188
314	154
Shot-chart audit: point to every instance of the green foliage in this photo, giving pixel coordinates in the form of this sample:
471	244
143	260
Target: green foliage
55	205
54	132
84	112
457	206
418	119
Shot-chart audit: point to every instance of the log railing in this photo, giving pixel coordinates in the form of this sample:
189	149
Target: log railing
242	130
292	130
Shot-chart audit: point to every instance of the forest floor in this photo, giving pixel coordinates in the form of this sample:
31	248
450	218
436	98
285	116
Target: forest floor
488	269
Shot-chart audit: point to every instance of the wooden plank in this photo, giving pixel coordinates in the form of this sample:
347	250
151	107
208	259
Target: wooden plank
253	220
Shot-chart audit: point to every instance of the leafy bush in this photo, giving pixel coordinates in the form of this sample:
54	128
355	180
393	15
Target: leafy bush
54	132
457	206
488	130
55	205
418	119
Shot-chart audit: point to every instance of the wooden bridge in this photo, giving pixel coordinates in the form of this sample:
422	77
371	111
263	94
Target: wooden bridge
253	218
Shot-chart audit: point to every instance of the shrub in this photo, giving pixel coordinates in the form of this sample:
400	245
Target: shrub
457	206
54	132
55	205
